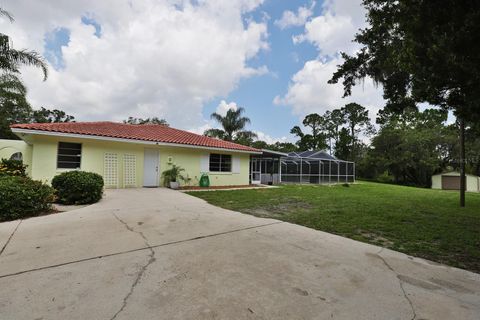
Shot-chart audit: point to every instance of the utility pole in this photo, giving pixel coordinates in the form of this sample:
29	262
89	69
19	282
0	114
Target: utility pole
462	163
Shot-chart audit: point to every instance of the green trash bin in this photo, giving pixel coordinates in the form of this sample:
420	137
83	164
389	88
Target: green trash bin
204	181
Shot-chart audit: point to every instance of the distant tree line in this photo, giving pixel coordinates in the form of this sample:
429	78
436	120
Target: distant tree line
408	147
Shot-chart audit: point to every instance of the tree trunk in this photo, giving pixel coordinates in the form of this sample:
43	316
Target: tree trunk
462	163
353	143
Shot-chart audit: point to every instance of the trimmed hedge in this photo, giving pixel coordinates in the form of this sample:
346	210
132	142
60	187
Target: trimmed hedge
22	197
78	187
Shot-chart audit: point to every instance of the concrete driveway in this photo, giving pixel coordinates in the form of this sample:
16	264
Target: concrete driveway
161	254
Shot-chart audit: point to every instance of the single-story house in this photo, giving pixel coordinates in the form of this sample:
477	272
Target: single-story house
451	181
126	155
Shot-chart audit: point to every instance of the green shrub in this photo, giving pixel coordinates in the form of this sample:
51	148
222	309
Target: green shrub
385	177
22	197
78	187
12	168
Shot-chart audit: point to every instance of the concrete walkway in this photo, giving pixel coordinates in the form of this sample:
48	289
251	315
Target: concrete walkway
162	254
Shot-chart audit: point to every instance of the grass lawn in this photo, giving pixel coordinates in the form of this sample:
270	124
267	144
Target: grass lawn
420	222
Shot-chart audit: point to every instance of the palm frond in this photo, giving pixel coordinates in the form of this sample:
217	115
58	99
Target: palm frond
6	14
246	135
25	57
10	83
216	116
215	133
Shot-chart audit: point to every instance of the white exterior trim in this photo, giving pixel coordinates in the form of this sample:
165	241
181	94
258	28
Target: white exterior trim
19	131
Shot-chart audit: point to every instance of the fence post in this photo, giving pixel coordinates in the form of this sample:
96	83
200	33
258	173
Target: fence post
329	172
279	170
301	171
353	172
338	172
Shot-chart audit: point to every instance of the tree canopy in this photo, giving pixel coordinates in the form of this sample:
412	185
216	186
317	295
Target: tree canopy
421	52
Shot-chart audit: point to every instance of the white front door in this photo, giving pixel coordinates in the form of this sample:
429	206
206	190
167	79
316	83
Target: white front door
150	168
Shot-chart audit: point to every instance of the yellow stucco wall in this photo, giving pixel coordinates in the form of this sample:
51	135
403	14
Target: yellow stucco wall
9	147
44	160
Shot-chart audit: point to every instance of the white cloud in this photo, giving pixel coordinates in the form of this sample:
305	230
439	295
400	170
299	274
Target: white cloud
154	58
201	129
223	107
330	32
290	18
269	139
309	91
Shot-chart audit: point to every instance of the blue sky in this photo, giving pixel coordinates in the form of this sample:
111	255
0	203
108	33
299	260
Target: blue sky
184	59
283	60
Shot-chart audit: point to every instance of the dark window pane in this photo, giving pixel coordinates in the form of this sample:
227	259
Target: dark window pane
68	151
215	157
69	155
226	167
69	145
214	167
226	158
68	165
220	162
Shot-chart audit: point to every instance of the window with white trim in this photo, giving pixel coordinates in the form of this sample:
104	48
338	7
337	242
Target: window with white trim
69	155
220	163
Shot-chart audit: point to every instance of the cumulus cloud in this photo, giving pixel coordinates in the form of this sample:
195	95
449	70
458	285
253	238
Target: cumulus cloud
151	58
330	32
269	139
223	107
290	18
309	91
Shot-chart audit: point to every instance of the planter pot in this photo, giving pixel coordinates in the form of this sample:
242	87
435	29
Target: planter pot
174	185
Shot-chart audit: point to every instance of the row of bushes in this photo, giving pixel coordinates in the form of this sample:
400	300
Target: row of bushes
22	197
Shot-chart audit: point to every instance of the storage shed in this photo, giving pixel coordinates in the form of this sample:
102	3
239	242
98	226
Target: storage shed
451	181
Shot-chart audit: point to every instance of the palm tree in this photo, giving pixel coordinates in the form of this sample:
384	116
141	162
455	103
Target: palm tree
14	107
233	124
11	59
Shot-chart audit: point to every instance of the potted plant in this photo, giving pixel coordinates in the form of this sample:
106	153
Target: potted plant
173	176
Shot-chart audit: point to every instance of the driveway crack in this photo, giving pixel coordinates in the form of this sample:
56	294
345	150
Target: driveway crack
141	272
400	282
10	238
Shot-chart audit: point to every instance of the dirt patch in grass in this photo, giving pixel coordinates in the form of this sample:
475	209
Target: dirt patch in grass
376	238
277	210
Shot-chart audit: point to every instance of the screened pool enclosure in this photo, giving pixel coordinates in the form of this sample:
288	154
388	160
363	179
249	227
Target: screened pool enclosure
315	167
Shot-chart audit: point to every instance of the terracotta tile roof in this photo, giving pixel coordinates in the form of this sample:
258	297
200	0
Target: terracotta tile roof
146	132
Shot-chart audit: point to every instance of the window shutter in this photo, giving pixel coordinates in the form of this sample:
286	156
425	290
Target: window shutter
204	162
235	164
